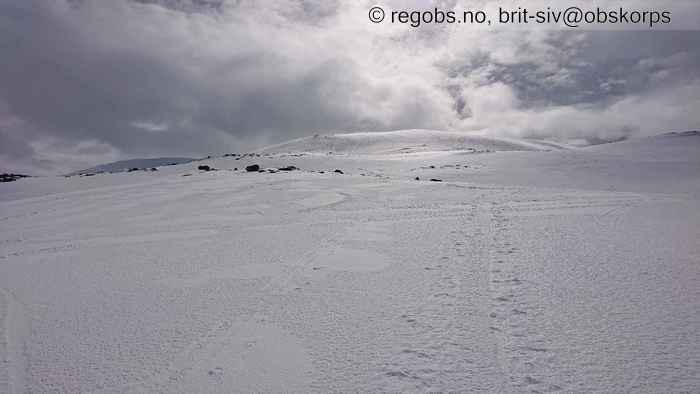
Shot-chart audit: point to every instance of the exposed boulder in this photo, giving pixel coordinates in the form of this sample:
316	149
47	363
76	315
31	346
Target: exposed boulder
339	172
288	168
435	180
253	168
205	168
11	177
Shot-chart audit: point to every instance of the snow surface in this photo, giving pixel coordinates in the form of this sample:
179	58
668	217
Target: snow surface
125	165
406	141
527	269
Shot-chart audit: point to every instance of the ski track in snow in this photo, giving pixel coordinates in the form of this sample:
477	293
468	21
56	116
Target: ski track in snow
12	327
503	278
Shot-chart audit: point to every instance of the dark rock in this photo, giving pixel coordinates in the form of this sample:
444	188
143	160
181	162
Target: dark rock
235	169
693	133
436	180
272	171
205	168
432	166
11	177
321	172
418	178
339	172
153	169
253	168
133	169
288	168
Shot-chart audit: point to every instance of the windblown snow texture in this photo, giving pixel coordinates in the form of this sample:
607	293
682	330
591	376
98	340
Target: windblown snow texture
529	268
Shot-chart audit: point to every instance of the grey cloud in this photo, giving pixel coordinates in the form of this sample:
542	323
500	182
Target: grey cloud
84	79
76	83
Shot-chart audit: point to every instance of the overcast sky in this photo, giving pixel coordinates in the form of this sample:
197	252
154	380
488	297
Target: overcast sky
85	82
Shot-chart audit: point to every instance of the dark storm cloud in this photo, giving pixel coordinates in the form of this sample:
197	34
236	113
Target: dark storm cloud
83	70
86	81
600	67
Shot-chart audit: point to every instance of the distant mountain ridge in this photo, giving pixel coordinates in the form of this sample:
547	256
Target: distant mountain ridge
407	141
124	165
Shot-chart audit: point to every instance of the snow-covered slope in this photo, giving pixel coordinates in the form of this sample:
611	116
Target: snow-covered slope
675	147
405	141
124	165
572	271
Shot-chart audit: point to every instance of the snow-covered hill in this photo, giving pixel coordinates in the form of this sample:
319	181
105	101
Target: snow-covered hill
406	141
124	165
523	270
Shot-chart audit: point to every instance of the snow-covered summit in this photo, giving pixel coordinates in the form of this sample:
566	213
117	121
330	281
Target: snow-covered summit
406	141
